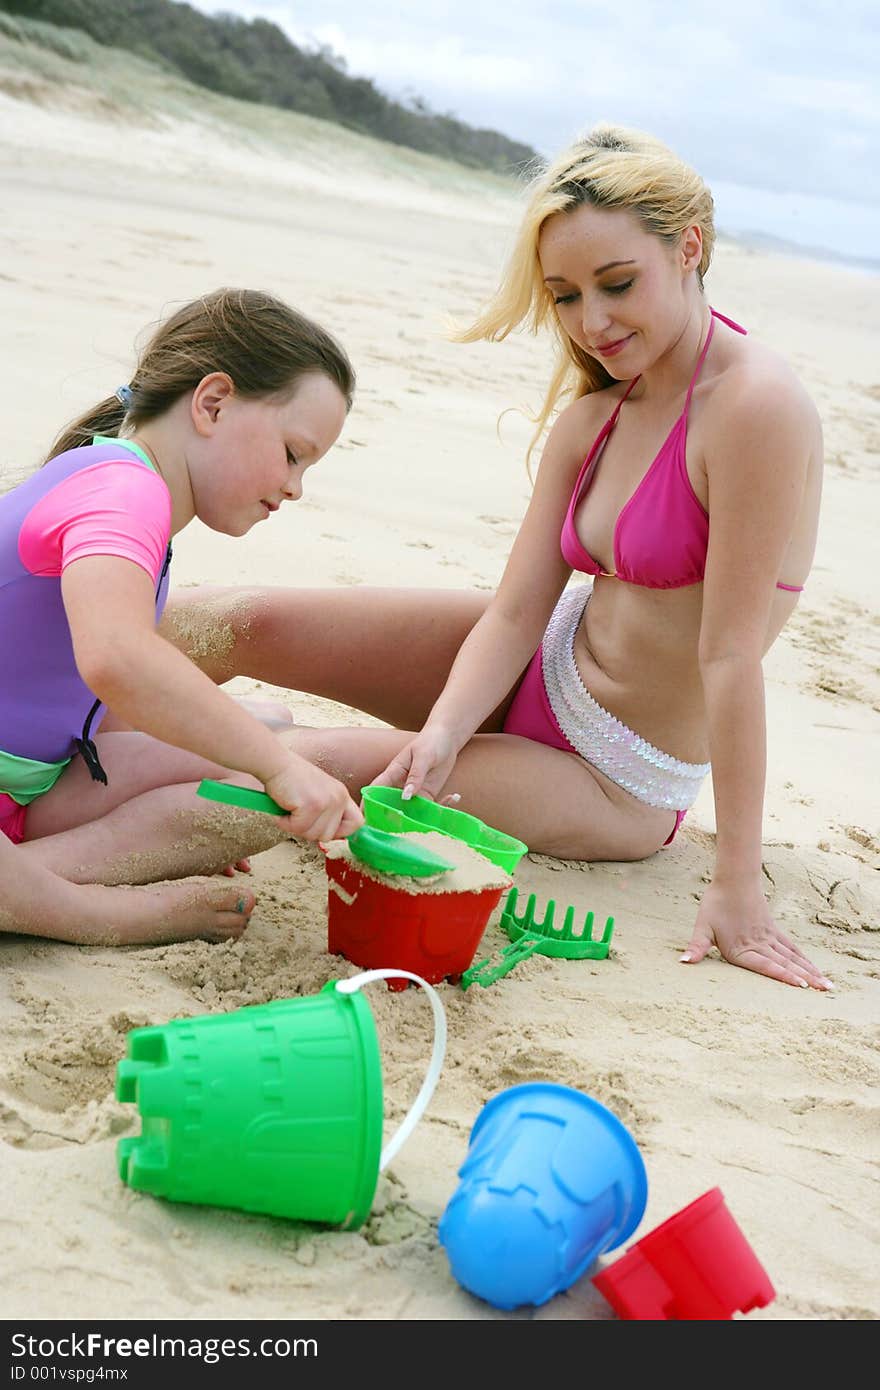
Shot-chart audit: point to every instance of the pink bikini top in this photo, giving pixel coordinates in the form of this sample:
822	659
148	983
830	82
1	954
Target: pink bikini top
662	534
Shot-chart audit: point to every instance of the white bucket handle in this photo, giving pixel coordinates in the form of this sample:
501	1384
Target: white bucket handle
432	1076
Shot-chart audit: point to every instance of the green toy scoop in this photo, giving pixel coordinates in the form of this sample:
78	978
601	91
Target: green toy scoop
380	849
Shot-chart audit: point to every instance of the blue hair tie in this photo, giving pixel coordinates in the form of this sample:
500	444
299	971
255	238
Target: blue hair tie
125	396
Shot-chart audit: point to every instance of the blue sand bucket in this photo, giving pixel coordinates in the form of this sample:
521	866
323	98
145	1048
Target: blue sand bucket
552	1180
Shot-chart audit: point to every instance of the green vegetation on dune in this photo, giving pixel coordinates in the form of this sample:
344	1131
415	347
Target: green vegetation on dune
254	60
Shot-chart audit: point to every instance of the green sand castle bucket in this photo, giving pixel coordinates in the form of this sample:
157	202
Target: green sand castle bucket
274	1108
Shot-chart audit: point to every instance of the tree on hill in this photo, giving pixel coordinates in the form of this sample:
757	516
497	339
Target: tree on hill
254	60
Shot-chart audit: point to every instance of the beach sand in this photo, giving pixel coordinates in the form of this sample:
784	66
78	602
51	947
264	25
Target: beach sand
115	209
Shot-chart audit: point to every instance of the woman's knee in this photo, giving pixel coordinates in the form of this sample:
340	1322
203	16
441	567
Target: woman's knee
618	839
208	624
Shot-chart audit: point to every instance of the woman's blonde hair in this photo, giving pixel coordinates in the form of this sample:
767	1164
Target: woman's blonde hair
610	167
264	345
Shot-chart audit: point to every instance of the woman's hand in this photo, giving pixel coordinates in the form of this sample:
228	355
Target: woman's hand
737	920
422	767
320	806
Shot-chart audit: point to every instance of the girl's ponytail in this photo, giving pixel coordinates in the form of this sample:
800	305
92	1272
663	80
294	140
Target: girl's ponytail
104	418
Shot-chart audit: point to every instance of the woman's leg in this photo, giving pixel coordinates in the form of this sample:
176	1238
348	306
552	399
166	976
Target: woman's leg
385	651
554	801
388	652
37	902
147	824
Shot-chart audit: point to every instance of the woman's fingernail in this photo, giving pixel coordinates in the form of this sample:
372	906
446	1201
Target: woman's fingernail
686	957
829	984
456	796
803	984
406	794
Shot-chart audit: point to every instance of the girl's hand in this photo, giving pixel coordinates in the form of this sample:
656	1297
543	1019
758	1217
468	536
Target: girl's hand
422	767
242	865
320	806
737	920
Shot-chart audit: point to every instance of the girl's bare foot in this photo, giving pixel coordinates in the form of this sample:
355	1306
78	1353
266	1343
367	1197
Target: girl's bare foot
181	910
153	914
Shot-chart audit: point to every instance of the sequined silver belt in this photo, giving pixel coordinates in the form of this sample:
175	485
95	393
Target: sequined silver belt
648	774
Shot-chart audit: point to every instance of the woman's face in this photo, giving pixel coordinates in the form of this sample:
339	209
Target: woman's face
621	293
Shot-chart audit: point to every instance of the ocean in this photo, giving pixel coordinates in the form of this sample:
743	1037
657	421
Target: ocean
800	223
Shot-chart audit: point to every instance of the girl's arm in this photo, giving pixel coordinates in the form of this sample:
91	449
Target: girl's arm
765	431
269	712
148	683
496	651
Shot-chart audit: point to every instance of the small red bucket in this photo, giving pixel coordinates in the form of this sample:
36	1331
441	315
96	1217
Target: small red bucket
697	1266
435	935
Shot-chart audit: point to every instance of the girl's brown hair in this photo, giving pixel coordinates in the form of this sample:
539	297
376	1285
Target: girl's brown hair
261	343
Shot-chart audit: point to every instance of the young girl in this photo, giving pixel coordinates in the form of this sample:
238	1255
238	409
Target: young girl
234	398
682	478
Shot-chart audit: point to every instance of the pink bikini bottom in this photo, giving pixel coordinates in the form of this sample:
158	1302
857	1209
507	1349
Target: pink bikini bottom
553	706
12	819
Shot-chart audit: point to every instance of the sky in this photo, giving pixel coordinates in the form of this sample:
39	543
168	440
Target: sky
781	96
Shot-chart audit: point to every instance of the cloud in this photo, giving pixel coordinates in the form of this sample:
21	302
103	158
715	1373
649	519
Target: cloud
780	93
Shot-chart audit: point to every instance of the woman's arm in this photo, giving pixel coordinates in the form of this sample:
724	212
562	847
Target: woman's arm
765	430
148	683
496	651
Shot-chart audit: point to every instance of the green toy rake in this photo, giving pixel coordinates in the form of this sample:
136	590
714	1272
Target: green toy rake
529	938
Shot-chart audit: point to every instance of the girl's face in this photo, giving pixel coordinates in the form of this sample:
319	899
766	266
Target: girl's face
620	292
255	452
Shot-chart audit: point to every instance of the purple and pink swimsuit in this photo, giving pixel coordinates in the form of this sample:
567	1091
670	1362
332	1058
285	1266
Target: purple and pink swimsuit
105	498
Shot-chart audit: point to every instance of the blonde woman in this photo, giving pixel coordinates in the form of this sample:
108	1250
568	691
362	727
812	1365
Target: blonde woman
681	480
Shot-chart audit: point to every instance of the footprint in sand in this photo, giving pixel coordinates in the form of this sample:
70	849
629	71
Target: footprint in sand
159	234
502	526
610	1088
862	837
24	1127
68	1067
839	641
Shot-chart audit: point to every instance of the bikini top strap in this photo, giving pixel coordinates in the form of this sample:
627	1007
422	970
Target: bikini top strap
699	365
731	323
616	411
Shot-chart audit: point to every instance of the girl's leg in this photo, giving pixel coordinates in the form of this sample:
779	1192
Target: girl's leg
167	833
147	824
385	651
36	902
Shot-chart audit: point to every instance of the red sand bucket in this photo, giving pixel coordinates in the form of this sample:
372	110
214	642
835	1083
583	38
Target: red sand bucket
697	1266
434	935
